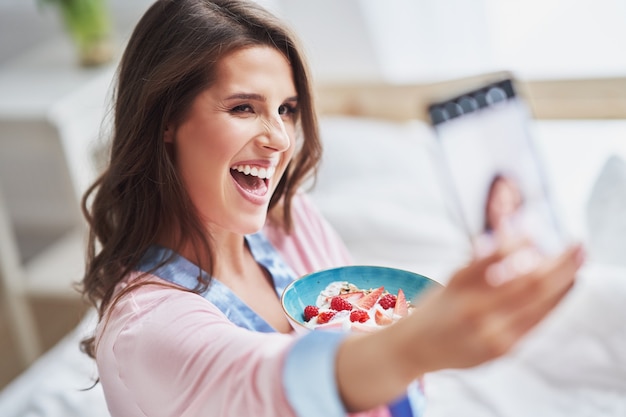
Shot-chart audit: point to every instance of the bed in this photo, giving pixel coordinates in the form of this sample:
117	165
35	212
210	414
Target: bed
378	188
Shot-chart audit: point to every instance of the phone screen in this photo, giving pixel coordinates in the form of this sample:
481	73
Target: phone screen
491	170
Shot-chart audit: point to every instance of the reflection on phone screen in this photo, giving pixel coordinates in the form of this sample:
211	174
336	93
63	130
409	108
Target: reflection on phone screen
493	174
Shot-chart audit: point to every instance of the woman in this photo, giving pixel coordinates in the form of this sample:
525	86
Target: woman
504	200
197	224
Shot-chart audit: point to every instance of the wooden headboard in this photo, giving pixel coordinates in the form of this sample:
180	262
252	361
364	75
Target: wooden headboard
593	98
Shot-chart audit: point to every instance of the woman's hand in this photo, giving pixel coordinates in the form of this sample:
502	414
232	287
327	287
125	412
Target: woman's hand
488	306
485	309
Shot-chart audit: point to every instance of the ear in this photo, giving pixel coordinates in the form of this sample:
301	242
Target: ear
168	135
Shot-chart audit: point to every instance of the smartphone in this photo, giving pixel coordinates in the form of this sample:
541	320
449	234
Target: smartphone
491	170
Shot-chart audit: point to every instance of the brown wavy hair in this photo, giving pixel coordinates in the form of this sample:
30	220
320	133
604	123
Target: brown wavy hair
170	58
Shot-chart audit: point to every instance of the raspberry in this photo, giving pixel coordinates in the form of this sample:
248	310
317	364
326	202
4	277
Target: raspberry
387	301
359	315
339	304
325	316
310	312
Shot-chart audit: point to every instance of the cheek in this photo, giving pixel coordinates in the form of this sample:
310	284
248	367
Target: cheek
193	162
203	145
198	166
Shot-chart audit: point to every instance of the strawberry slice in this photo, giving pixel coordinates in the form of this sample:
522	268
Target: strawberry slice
366	302
352	296
402	308
349	296
333	325
381	318
362	328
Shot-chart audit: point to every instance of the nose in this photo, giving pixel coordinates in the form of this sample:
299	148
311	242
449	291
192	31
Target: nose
276	136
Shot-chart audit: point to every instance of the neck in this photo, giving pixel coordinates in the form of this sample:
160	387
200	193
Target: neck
232	258
232	255
229	251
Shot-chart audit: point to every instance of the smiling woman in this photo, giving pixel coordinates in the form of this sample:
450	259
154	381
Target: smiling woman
198	225
243	122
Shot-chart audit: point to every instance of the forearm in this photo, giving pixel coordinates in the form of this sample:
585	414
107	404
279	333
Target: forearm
376	368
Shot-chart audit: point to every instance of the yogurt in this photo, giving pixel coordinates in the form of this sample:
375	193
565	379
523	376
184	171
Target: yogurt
344	306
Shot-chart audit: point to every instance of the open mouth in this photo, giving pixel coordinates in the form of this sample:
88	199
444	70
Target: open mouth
254	180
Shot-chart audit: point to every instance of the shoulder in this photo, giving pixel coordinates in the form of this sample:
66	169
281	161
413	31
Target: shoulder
159	344
151	310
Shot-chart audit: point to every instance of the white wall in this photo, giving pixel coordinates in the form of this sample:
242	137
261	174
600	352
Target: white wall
336	37
429	40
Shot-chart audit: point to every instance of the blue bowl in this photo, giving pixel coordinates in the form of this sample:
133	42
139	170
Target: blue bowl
305	290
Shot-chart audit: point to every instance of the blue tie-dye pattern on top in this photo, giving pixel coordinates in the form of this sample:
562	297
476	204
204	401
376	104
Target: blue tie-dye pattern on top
184	273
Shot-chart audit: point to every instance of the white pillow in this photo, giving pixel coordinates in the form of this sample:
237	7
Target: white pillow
606	214
379	188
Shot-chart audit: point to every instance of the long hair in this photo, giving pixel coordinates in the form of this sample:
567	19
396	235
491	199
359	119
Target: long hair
170	58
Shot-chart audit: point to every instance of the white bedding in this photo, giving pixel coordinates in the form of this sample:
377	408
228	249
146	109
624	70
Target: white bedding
378	187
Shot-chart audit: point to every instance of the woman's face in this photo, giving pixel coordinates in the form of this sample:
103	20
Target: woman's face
235	142
504	202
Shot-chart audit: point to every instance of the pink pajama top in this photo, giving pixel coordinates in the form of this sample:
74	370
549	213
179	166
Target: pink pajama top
166	352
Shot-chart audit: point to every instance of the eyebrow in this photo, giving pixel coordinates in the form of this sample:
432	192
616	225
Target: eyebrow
253	96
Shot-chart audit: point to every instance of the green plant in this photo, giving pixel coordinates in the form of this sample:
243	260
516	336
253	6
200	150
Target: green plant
88	22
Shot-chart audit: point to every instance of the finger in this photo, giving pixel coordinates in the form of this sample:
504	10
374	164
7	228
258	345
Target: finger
570	260
510	329
533	298
529	298
532	314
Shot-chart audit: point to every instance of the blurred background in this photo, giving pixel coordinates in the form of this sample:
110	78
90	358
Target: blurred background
52	105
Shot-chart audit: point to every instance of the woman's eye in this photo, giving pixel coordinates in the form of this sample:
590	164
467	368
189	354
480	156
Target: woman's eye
287	110
242	108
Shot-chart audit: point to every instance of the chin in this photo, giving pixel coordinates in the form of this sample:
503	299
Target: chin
253	224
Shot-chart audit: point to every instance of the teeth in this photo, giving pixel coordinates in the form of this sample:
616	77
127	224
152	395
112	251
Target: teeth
255	171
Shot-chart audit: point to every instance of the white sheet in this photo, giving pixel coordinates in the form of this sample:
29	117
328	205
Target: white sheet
54	386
